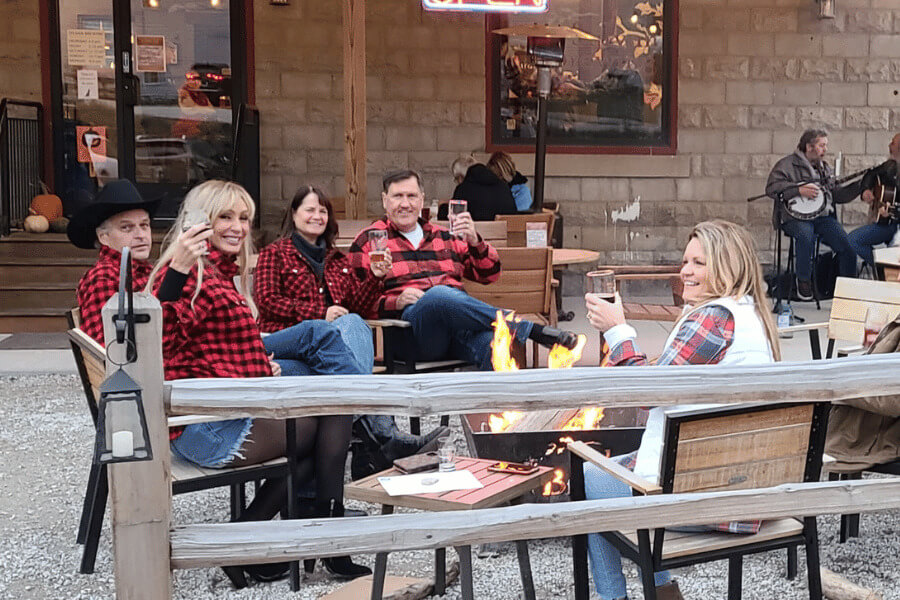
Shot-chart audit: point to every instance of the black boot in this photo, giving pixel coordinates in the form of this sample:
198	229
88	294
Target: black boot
340	567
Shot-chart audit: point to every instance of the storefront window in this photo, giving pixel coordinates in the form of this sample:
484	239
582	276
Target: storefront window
612	96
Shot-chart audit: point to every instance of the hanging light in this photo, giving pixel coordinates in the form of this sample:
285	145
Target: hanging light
826	9
121	425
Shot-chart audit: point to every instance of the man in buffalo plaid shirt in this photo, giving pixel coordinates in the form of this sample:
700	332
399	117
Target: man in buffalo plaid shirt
119	217
424	285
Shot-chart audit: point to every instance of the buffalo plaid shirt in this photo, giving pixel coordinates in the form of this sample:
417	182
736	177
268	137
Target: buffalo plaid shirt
440	259
218	335
702	339
287	291
100	283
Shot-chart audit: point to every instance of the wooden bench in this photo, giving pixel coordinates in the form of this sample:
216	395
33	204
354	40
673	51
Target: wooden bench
648	311
887	263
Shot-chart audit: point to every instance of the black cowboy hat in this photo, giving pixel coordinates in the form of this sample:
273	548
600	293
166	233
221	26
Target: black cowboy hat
115	197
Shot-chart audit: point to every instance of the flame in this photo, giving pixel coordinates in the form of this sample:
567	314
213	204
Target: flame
604	354
563	358
501	359
587	418
557	485
504	421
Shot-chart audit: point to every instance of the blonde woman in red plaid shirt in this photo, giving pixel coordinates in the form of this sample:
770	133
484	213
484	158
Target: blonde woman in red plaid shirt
727	321
210	330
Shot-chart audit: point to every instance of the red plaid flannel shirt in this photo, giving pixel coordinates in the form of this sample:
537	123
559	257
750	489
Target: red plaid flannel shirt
440	259
99	284
702	339
218	336
287	292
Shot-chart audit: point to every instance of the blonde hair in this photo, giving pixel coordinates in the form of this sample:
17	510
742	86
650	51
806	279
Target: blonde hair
212	198
734	271
461	165
502	165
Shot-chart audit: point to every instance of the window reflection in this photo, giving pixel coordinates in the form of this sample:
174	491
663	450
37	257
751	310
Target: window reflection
610	93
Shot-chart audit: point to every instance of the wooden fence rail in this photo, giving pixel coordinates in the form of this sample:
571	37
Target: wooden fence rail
536	389
205	545
147	548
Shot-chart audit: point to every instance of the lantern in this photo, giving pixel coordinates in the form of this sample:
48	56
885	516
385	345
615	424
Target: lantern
121	425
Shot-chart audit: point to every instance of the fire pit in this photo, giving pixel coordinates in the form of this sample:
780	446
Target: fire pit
619	432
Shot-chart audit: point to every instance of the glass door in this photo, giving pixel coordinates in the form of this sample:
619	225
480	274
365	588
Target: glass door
147	93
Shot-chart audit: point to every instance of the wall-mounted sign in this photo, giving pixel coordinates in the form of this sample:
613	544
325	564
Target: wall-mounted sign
499	6
88	84
86	47
150	54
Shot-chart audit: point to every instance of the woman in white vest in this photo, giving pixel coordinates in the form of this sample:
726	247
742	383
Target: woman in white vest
726	321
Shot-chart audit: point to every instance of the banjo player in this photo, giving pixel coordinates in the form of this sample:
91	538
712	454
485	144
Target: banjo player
802	186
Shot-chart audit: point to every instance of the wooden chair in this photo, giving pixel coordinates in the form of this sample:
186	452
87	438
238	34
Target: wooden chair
717	449
524	286
517	225
846	322
646	311
90	359
493	232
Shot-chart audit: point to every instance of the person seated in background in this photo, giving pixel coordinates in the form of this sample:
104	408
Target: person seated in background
424	285
210	330
502	165
727	322
486	194
884	225
302	276
119	217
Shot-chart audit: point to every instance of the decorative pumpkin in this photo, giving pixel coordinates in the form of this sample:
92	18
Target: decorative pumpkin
36	224
59	225
46	205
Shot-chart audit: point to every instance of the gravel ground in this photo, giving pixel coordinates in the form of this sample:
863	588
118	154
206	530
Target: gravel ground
45	446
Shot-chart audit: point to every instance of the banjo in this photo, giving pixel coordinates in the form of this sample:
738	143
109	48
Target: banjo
807	209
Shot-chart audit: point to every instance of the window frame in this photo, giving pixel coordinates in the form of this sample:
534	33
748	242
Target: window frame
669	145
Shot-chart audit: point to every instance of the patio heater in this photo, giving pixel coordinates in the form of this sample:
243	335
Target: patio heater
546	47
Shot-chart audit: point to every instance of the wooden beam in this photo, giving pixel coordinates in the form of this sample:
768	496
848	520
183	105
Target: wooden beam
206	545
536	389
354	36
140	492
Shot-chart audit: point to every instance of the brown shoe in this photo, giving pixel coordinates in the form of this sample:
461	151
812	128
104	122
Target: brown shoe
669	591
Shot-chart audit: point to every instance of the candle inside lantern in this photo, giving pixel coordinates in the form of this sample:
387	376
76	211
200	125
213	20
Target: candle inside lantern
122	444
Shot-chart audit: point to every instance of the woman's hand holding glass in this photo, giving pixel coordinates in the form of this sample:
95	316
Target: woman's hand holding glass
190	246
382	267
604	315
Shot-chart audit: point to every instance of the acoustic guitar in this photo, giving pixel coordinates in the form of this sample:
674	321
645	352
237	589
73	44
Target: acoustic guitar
885	197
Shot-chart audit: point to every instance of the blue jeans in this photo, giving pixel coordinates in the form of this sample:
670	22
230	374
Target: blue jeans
308	348
449	322
832	233
864	238
606	562
316	347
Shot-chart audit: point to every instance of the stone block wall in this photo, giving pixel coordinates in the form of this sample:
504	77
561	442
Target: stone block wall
753	74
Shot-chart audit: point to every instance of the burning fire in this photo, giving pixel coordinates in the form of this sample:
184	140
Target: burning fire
587	418
557	485
501	356
504	421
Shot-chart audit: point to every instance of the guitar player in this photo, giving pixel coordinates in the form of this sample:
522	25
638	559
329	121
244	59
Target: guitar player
801	178
879	185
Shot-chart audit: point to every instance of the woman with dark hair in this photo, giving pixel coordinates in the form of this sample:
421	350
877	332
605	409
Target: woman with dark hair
303	276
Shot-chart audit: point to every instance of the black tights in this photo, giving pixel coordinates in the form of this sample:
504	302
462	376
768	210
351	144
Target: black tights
322	445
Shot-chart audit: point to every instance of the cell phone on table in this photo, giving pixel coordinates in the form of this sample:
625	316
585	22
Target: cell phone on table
513	467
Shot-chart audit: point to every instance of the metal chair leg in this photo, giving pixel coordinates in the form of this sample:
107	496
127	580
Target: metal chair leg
440	571
812	559
735	575
792	562
645	564
378	576
465	572
525	569
89	495
95	523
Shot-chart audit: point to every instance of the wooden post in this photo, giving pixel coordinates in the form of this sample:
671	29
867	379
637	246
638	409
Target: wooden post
354	36
140	492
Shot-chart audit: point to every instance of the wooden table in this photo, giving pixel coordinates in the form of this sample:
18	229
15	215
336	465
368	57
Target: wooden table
563	257
499	488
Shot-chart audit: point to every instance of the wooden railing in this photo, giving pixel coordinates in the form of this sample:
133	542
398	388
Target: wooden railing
146	547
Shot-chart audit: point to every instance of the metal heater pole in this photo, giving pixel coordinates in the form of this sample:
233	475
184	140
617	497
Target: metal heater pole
540	151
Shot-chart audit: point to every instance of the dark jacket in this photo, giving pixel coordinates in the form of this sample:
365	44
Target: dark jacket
487	194
794	170
866	431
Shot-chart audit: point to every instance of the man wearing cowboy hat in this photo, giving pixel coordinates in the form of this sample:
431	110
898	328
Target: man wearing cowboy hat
118	217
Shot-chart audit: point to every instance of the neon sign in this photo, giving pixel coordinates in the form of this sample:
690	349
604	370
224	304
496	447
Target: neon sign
500	6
